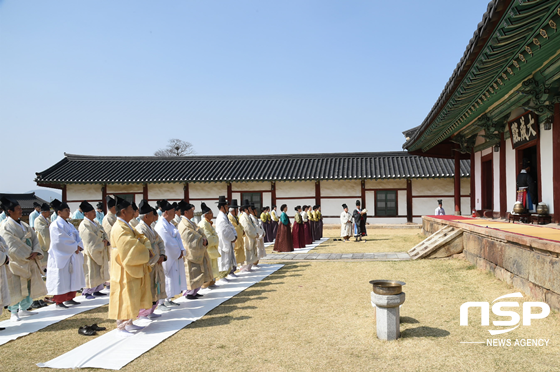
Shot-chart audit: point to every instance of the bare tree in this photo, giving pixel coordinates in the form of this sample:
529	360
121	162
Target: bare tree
176	147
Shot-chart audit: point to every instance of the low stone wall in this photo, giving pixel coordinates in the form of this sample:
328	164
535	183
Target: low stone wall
530	265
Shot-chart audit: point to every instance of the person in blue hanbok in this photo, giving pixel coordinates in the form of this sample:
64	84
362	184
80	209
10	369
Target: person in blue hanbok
33	215
99	214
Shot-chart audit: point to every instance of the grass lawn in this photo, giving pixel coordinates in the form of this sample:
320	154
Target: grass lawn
317	316
378	240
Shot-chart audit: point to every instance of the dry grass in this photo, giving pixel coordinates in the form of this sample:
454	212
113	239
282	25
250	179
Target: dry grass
378	240
317	316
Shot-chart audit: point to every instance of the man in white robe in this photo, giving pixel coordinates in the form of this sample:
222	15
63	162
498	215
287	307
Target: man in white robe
4	271
33	215
96	259
227	237
174	267
177	219
345	224
250	238
439	210
24	251
65	267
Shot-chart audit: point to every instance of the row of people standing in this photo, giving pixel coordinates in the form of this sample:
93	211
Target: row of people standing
307	228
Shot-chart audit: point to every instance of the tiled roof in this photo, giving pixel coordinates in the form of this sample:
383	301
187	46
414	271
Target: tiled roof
25	200
339	166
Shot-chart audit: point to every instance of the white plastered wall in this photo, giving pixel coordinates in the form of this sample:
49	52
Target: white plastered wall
433	186
210	190
477	179
547	196
292	203
401	202
124	188
386	184
267	199
333	207
295	189
173	191
496	180
350	188
427	206
91	192
250	186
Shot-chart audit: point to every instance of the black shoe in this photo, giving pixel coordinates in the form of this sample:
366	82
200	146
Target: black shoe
191	297
71	302
95	327
199	295
2	329
36	305
43	303
86	331
97	294
61	306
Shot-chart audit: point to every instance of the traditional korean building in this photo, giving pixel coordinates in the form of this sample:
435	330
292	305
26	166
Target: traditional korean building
26	201
395	187
501	105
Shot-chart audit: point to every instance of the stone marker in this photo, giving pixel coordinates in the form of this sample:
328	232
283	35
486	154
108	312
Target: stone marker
387	314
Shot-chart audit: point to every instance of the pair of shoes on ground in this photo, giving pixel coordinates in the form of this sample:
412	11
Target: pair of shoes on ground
67	304
37	304
193	297
16	317
92	296
90	330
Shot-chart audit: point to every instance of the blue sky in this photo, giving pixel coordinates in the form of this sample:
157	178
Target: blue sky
231	77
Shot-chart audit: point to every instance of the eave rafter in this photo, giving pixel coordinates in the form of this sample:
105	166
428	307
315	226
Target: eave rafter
511	53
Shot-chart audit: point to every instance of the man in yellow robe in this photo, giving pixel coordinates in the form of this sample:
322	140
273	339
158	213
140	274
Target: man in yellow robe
211	235
42	224
238	248
157	276
130	273
110	219
250	238
197	262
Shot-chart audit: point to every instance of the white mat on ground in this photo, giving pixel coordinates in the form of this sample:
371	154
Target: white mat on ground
303	250
111	351
46	316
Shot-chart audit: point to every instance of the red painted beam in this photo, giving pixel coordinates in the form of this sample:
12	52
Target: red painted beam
457	178
503	185
473	183
408	200
556	162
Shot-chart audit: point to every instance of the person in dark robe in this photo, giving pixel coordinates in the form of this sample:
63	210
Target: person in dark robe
307	233
357	215
319	217
297	229
527	187
265	224
284	241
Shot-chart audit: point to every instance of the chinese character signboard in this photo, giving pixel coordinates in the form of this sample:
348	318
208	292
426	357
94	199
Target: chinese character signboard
524	129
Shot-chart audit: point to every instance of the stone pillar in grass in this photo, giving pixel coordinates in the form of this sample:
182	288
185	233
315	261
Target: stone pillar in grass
387	314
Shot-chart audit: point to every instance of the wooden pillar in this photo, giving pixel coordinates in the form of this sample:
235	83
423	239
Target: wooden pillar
363	194
145	192
186	192
409	200
556	162
457	192
503	185
64	194
104	197
273	193
473	183
317	192
229	194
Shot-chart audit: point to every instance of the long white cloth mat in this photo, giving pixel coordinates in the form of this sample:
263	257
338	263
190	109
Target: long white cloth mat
303	250
46	316
111	351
